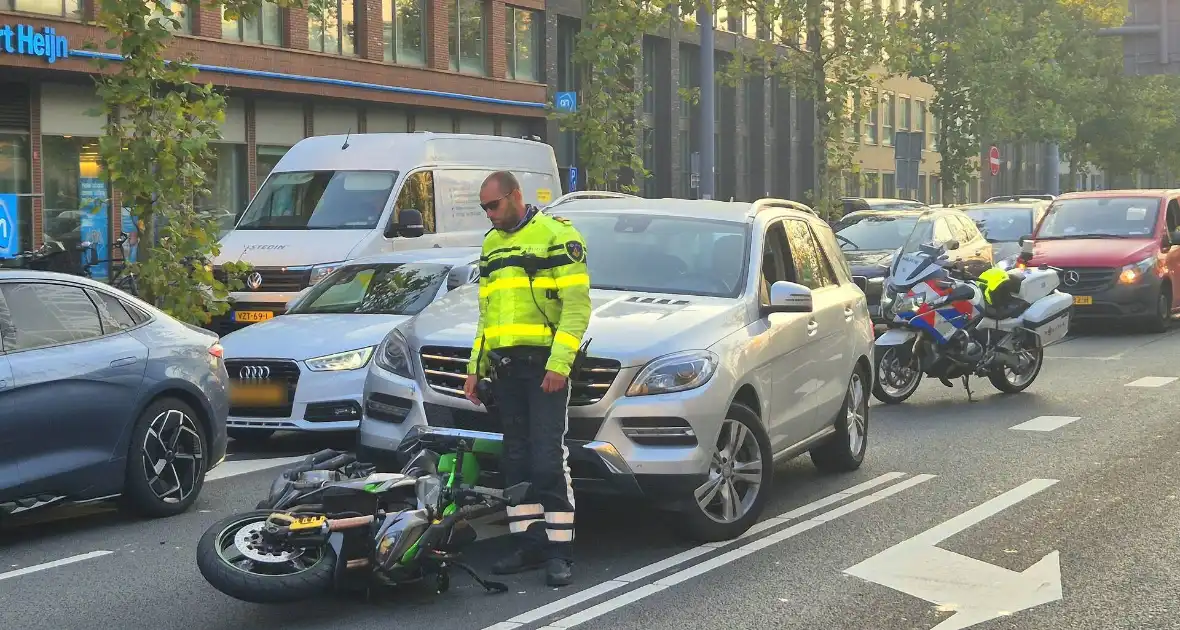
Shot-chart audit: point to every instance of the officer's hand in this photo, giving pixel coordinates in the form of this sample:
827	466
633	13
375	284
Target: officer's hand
553	382
469	388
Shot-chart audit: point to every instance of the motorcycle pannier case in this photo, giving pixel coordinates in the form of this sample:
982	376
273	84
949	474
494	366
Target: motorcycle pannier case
1048	317
1038	283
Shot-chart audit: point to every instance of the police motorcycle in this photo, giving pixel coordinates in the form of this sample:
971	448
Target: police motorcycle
946	323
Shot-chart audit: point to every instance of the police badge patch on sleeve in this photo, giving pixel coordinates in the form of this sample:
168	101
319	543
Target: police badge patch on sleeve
576	252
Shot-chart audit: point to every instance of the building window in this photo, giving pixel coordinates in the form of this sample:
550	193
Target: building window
467	36
264	27
649	76
522	30
872	125
331	27
933	132
890	118
177	22
649	159
922	187
907	114
872	184
267	157
404	30
76	198
888	185
922	118
69	9
935	189
16	178
227	185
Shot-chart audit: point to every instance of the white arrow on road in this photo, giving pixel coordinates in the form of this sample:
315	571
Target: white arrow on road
977	591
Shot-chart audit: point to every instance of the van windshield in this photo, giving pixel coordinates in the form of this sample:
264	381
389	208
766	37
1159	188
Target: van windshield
320	200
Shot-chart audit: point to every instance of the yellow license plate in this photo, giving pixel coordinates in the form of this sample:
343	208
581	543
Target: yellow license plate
1083	300
308	522
246	394
252	316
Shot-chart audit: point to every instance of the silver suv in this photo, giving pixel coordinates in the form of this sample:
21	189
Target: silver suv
725	337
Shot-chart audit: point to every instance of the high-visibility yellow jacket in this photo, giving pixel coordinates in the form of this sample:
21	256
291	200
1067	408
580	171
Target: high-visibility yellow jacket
556	313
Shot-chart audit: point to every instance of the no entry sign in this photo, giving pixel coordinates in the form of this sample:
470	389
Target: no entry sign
993	160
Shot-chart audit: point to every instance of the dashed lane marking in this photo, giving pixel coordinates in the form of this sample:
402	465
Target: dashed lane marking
1045	423
1152	381
242	467
56	563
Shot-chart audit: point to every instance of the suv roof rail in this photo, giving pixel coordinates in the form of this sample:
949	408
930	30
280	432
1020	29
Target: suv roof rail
771	202
590	194
1030	197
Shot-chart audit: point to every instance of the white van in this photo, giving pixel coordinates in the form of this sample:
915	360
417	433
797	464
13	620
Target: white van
331	199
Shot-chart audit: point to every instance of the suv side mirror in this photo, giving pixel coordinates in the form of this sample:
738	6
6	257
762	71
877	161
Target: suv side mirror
408	225
862	282
788	297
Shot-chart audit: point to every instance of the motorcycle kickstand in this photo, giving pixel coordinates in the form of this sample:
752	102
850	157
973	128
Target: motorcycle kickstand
967	385
488	585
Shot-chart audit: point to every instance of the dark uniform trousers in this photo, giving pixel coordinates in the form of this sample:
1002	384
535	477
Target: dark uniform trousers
534	427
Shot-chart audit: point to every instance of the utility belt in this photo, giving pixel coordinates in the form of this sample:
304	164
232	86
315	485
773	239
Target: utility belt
503	360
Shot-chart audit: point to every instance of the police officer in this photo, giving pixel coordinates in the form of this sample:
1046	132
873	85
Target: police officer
533	309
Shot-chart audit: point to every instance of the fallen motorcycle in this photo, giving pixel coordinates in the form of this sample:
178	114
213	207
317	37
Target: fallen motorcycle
334	524
949	324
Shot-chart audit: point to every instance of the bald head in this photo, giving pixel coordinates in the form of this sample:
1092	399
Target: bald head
501	199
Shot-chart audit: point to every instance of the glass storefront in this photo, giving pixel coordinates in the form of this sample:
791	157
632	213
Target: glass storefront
76	197
15	179
227	185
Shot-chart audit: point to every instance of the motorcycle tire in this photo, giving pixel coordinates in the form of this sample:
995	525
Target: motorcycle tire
256	588
999	377
879	392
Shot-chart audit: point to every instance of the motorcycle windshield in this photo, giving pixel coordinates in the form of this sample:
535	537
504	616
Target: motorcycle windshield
913	267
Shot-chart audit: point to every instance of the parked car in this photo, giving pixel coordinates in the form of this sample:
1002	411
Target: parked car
1117	249
870	239
725	337
305	370
858	204
103	396
1004	223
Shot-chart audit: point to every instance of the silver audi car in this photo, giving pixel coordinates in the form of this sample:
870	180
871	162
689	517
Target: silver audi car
724	337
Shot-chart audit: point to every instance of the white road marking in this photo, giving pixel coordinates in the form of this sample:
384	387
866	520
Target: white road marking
1045	423
977	591
242	467
1152	381
728	557
56	563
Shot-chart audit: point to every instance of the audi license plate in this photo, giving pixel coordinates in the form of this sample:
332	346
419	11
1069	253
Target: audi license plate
250	317
1083	300
257	394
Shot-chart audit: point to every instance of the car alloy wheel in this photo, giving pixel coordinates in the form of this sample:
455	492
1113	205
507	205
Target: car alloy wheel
857	413
173	456
735	474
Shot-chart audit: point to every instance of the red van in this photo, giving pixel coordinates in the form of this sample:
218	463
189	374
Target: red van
1117	249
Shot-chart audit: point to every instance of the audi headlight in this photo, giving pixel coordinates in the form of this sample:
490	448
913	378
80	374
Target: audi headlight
394	355
675	372
1134	272
319	272
341	361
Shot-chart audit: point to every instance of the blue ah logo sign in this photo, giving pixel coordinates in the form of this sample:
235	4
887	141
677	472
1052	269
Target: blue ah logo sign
25	40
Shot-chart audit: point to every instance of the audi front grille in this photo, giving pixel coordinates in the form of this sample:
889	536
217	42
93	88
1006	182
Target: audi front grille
259	370
446	369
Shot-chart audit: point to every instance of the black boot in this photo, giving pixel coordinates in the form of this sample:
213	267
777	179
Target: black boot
519	561
559	572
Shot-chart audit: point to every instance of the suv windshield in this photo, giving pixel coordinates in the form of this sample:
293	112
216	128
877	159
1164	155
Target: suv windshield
1100	217
874	231
1002	225
375	289
320	200
662	254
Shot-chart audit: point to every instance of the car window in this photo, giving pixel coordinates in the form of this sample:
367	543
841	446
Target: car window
942	231
776	266
45	314
958	227
380	288
874	232
7	331
1003	225
1100	217
630	251
837	259
111	312
811	266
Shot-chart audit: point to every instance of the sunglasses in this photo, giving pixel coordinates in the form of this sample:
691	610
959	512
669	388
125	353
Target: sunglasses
495	203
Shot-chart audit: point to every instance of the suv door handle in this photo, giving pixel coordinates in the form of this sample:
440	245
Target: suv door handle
848	312
123	361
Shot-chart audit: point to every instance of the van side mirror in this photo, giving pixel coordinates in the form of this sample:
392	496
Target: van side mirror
1023	239
409	224
1026	250
788	297
1173	238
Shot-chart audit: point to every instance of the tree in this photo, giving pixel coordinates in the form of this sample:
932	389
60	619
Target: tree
156	152
834	52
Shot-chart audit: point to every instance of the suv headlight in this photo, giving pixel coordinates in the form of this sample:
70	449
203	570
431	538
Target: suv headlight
394	355
674	372
341	361
1130	274
319	272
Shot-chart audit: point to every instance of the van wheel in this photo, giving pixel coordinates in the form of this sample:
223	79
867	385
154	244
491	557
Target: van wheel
1158	321
738	483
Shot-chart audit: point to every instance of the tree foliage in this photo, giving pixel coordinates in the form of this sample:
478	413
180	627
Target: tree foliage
831	53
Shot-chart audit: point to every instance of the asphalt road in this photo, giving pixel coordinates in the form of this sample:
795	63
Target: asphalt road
959	516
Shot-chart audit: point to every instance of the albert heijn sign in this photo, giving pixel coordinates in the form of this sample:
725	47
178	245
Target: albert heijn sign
27	41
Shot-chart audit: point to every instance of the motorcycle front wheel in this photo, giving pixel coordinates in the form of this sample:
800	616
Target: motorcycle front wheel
234	559
898	374
1010	381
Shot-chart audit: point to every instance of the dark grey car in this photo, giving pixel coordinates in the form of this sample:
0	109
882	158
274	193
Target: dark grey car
103	396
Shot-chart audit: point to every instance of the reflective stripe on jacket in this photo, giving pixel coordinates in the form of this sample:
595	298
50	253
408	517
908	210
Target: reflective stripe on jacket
553	312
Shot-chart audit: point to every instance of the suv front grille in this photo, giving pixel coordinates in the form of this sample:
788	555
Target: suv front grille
446	369
274	279
1090	279
285	372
